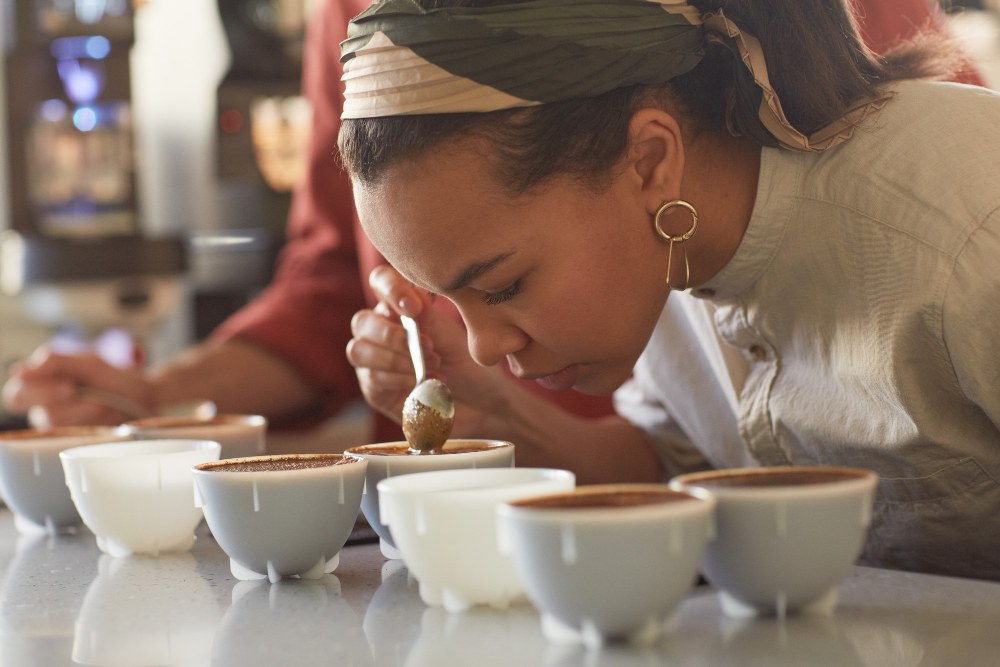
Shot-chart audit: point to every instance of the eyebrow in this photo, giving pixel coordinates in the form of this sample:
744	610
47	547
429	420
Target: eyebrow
475	270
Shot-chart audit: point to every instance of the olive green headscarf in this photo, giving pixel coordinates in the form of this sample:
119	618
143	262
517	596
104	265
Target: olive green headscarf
402	59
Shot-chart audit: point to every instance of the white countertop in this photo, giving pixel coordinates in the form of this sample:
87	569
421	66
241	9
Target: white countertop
62	603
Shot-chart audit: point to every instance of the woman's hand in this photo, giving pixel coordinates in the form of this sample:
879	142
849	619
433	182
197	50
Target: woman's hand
380	356
56	389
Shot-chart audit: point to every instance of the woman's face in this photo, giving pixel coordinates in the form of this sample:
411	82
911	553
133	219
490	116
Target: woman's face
564	283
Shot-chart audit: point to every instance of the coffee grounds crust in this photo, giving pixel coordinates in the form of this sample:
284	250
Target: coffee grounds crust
277	463
790	477
614	499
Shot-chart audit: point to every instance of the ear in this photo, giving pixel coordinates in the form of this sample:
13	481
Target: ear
656	156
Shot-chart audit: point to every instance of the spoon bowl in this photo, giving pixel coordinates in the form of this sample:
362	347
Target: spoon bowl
428	416
429	410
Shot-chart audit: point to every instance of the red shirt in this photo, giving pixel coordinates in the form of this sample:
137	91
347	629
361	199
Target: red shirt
886	23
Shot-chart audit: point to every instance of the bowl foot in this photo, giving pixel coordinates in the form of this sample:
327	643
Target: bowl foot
26	526
118	549
454	604
737	609
430	595
323	566
244	573
590	636
389	551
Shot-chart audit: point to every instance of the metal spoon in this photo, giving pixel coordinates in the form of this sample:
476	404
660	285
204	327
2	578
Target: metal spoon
429	410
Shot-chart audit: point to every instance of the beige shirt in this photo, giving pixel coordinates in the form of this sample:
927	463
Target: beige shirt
857	324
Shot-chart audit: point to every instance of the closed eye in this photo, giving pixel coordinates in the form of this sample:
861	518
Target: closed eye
506	294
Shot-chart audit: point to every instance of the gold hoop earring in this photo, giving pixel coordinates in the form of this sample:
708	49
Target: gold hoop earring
677	239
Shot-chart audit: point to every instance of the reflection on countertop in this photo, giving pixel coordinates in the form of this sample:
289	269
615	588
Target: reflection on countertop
62	603
44	583
145	610
270	624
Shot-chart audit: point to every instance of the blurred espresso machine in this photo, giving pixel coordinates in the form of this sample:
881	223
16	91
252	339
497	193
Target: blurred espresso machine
73	254
262	132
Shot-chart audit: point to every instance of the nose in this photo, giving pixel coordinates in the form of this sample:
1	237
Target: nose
491	339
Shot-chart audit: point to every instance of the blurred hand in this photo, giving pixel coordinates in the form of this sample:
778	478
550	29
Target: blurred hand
56	389
381	359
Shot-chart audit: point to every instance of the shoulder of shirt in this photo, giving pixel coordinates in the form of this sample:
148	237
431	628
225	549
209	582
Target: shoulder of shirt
929	153
949	121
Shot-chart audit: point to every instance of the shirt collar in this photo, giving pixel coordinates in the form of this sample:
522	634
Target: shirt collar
781	173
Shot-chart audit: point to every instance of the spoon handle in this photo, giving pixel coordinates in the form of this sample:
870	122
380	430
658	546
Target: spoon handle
413	342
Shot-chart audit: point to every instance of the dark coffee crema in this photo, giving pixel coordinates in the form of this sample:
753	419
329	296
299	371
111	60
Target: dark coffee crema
772	478
404	450
277	463
609	499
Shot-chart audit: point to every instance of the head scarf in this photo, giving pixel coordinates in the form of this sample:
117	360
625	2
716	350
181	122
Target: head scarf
402	59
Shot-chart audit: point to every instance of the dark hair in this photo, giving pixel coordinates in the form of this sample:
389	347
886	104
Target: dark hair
816	61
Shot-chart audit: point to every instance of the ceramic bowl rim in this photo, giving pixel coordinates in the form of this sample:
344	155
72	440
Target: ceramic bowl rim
225	420
424	483
850	481
138	449
343	462
695	502
493	445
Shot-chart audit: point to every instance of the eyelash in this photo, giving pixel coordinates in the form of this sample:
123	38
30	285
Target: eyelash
506	294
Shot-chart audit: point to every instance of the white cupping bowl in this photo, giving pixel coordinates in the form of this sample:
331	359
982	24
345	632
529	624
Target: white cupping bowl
607	562
389	459
32	480
138	497
444	524
786	536
281	521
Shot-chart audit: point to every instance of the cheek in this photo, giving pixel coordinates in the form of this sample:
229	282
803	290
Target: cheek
615	302
592	313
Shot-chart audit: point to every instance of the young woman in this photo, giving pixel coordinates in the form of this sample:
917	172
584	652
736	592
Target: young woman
826	226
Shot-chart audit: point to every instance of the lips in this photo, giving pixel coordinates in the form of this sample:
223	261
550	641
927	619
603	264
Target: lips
559	380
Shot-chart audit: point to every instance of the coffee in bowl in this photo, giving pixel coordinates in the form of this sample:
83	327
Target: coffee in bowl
611	496
775	477
281	516
276	463
389	459
565	547
786	536
450	447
